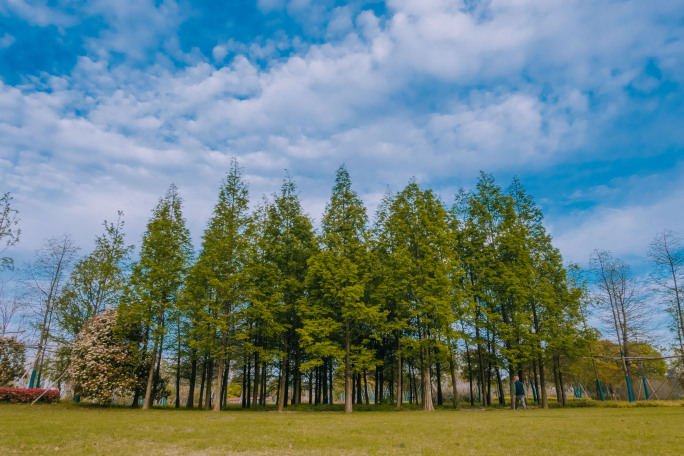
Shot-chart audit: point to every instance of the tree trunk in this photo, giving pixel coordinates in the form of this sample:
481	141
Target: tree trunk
452	368
542	384
257	380
555	381
330	387
482	368
511	385
224	384
193	379
438	371
210	379
219	377
400	370
427	381
560	382
470	375
244	386
297	379
323	374
376	385
204	375
359	392
147	402
282	390
311	376
499	384
347	371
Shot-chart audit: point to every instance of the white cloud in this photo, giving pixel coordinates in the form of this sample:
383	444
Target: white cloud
624	227
437	91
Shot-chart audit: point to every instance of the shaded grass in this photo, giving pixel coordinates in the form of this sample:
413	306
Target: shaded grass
70	429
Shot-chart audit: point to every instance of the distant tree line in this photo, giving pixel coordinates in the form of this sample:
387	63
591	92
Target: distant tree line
398	307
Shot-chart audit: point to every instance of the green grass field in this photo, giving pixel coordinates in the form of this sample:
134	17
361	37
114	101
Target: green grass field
74	430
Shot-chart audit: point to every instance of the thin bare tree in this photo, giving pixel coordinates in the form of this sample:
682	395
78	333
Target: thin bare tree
666	253
620	300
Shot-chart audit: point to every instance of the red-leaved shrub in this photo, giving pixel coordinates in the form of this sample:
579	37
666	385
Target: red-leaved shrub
27	395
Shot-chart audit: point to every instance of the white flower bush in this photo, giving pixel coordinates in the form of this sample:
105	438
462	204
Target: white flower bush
101	363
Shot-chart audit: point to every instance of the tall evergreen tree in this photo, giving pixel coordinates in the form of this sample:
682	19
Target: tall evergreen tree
337	318
221	267
418	232
289	239
165	256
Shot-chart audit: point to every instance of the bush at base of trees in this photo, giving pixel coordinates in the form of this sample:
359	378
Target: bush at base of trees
100	362
23	395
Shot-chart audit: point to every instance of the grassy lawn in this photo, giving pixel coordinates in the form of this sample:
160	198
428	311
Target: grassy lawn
68	429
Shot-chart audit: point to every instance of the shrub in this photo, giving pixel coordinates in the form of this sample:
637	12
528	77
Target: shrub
100	362
24	395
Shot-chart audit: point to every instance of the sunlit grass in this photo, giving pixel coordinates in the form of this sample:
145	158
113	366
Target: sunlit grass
69	429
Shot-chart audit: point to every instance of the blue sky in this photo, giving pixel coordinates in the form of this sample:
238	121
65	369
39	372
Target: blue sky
104	103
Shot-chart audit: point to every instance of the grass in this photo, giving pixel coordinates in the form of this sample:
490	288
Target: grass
70	429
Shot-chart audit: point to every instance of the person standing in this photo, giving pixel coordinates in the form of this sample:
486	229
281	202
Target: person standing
520	393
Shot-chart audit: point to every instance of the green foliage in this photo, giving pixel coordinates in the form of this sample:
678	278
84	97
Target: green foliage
96	281
217	287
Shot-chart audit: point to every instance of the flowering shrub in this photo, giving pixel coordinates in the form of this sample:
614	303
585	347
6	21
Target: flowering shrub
27	395
100	362
12	358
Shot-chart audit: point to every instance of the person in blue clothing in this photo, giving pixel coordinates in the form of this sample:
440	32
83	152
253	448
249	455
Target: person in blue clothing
519	394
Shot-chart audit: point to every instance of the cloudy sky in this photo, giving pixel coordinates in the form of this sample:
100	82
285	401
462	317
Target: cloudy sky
104	103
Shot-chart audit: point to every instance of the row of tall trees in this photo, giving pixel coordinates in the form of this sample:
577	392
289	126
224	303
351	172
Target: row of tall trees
269	295
426	291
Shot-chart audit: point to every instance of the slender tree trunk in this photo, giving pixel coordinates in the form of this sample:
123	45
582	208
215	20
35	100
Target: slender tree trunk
224	384
347	371
481	365
542	384
244	385
560	381
210	379
438	371
204	375
193	379
536	380
511	384
311	375
376	385
221	367
282	386
354	401
400	370
263	385
470	376
427	381
499	384
323	374
359	393
147	402
297	379
319	386
557	384
365	387
256	380
330	387
452	368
